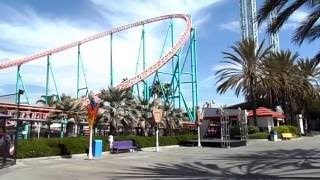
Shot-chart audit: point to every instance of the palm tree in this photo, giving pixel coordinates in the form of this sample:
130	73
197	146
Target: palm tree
118	108
156	89
289	79
310	72
171	119
242	73
308	29
144	110
280	68
69	108
310	69
49	101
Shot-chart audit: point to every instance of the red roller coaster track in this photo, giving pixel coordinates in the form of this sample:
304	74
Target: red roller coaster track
132	81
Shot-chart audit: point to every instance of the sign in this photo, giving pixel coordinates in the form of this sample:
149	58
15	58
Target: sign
157	115
199	118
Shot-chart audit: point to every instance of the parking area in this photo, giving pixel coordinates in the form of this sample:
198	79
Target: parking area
294	159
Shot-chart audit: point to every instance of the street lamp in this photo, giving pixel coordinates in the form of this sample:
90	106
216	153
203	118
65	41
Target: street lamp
198	120
19	93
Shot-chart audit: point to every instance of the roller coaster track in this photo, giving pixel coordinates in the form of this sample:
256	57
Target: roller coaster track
184	36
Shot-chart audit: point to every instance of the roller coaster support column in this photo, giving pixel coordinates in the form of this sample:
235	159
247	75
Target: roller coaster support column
111	63
172	61
80	62
78	71
194	72
47	79
18	81
179	81
145	84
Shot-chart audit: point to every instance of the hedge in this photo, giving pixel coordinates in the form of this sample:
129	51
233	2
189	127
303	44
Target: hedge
258	135
76	145
285	129
253	129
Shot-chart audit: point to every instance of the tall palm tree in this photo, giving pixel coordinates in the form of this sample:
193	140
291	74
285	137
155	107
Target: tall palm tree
49	101
242	73
280	68
67	108
308	29
171	119
144	108
70	108
310	69
311	72
118	106
289	79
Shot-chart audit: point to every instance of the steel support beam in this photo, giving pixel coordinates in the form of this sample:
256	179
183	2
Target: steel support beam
47	79
111	61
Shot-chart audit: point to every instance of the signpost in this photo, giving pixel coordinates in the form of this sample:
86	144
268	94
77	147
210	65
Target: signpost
157	116
199	118
92	109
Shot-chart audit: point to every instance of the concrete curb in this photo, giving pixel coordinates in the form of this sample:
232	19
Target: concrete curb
148	149
84	155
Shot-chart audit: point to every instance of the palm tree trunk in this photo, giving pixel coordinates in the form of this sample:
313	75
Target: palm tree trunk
49	130
306	117
254	104
291	110
270	99
284	106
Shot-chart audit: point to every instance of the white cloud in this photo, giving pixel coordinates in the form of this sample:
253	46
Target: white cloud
298	16
295	19
292	23
37	33
233	26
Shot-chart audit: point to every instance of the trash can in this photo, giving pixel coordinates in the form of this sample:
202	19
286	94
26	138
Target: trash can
97	148
273	136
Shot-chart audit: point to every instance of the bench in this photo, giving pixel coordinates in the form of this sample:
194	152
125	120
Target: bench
123	145
287	135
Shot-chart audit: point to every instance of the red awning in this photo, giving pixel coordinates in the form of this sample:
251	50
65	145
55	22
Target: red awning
263	112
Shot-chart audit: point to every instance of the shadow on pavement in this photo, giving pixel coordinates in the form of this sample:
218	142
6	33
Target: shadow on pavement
279	164
6	163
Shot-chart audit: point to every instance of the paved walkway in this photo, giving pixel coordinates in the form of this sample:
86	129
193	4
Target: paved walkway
294	159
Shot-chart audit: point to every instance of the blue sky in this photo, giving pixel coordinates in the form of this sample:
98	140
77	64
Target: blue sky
30	26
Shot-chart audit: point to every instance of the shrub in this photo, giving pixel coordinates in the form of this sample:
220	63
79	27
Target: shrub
142	141
253	129
29	149
286	129
77	145
293	130
258	135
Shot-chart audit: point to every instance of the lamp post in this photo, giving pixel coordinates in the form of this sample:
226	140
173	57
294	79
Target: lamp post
63	122
20	92
199	117
157	116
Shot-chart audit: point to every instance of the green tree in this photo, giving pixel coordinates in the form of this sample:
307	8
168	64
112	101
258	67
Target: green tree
308	29
290	80
69	108
49	101
119	108
171	119
310	72
243	71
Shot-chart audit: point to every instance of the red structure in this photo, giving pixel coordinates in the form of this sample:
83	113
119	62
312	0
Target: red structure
265	112
28	112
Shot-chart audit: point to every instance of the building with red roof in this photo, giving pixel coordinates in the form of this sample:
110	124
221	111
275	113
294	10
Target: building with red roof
266	118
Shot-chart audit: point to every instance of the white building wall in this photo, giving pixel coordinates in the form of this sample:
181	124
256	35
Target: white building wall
265	122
